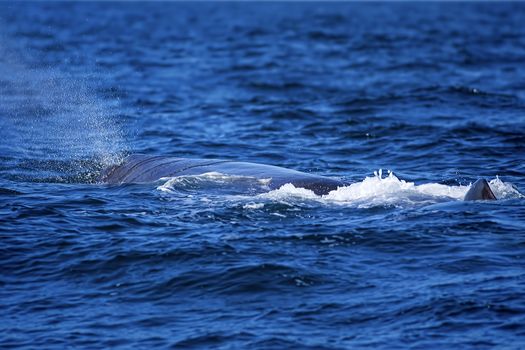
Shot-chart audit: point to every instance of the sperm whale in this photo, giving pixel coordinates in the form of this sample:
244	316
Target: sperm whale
139	168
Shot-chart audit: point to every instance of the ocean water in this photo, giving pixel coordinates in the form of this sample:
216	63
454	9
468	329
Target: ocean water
411	102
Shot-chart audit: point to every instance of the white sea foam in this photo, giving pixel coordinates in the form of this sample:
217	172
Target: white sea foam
390	190
211	179
376	190
504	190
384	189
253	206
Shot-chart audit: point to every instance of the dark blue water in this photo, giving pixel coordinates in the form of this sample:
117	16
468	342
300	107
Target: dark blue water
433	92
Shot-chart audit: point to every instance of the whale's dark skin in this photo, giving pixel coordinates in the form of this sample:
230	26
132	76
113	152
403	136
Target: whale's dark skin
480	190
139	168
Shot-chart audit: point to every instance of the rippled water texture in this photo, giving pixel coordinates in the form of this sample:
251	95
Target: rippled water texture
433	94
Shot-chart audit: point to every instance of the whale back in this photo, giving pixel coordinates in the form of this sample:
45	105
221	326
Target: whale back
139	168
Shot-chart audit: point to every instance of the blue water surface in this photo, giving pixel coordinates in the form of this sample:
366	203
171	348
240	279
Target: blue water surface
434	92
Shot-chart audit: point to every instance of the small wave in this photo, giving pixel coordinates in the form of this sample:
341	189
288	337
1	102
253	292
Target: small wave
9	192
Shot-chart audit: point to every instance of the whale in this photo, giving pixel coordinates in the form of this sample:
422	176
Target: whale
141	168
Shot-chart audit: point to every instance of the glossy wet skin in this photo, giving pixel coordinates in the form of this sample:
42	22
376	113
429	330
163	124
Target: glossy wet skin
142	168
480	190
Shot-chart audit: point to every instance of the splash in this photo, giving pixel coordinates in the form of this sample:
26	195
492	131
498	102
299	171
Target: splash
504	190
391	190
375	190
388	191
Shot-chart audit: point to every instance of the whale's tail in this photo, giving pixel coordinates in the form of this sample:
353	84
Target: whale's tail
480	190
